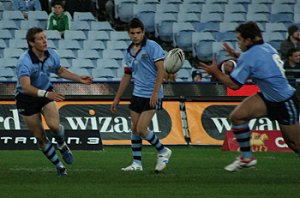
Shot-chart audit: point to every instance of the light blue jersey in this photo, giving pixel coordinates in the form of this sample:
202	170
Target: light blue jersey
263	65
39	72
143	68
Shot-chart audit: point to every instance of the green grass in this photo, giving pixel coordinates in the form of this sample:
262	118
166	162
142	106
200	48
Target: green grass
192	172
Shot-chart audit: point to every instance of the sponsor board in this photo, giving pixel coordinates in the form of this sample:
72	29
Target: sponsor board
114	128
77	140
209	121
261	141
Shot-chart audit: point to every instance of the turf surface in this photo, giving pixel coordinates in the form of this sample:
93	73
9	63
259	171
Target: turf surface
192	172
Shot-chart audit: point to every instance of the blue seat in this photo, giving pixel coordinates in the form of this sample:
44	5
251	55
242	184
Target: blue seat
259	8
89	54
97	45
235	8
124	10
66	53
100	72
10	25
83	63
167	8
282	18
182	35
228	26
208	27
199	2
190	8
187	64
163	25
6	35
153	2
101	26
211	17
75	35
12	53
83	16
282	8
226	36
80	26
213	8
258	17
202	45
18	43
276	27
118	55
118	45
65	63
8	63
98	35
53	35
40	16
69	44
292	2
13	15
268	2
145	13
184	75
27	24
79	71
108	63
234	17
119	36
190	17
8	73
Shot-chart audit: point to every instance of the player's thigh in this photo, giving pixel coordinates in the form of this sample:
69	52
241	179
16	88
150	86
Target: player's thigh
51	115
251	107
145	120
34	124
134	120
291	133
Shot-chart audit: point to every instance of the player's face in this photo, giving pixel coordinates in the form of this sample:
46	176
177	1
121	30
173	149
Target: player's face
242	42
136	35
40	42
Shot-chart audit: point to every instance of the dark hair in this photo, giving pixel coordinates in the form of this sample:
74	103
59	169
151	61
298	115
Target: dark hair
135	23
30	36
58	2
249	30
291	51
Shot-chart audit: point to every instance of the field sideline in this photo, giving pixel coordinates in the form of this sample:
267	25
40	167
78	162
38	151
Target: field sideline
192	172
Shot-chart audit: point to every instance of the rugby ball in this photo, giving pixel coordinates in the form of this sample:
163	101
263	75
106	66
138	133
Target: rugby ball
174	60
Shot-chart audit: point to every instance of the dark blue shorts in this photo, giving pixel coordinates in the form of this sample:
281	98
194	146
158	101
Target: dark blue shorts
285	112
139	104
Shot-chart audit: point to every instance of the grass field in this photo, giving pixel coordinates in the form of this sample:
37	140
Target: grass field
192	172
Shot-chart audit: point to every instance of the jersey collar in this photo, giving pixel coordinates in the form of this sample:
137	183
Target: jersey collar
35	59
142	45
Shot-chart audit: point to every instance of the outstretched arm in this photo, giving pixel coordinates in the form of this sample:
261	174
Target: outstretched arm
214	70
65	73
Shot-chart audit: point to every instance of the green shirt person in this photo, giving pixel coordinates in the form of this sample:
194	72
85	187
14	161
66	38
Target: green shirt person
59	20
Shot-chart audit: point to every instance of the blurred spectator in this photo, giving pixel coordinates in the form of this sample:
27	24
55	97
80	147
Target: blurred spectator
292	41
46	5
110	11
197	75
169	77
79	6
292	64
58	19
26	5
106	10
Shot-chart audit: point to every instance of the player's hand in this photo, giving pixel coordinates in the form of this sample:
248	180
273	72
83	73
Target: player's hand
210	69
231	52
153	100
114	105
55	96
86	80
